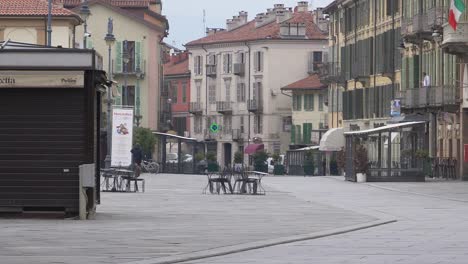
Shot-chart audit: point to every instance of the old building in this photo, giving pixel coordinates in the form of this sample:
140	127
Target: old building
309	111
175	99
26	21
238	73
136	56
429	81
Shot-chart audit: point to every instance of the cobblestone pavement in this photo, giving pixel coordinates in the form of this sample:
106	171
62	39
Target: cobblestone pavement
173	217
431	229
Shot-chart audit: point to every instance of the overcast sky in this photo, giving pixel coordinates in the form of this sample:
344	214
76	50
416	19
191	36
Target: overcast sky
186	16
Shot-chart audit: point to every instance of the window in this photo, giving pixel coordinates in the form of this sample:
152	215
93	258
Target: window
198	124
227	63
258	124
321	102
287	123
212	94
130	48
128	95
212	59
297	102
241	92
242	126
227	84
258	61
298	134
317	57
227	122
198	85
184	92
309	102
198	65
174	90
241	57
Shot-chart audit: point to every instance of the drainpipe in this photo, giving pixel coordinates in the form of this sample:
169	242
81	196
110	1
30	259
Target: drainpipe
373	50
49	24
206	94
392	3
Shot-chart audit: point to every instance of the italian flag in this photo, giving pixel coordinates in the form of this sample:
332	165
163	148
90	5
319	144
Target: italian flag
457	7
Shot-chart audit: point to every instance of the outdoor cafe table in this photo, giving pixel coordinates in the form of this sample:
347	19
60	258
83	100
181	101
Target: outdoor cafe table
256	177
118	176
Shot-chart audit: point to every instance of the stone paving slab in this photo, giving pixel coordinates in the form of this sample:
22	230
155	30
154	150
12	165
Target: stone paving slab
431	227
171	218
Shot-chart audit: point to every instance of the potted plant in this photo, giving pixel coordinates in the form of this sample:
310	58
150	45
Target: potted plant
260	161
309	166
238	161
200	160
278	168
341	160
334	167
212	163
361	163
423	156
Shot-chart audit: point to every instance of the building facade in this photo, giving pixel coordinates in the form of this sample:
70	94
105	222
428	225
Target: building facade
138	27
309	111
175	96
364	64
238	73
26	21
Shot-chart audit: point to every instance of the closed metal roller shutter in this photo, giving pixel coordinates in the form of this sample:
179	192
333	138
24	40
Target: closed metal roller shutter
42	143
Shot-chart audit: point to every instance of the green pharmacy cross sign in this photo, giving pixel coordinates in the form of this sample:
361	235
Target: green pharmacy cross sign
214	127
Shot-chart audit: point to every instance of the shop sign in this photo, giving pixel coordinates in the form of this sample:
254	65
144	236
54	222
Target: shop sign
41	79
122	136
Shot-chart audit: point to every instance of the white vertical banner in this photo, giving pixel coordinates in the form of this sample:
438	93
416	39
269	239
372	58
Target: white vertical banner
122	137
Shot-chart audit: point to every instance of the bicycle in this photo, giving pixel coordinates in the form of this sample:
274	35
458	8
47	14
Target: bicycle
150	166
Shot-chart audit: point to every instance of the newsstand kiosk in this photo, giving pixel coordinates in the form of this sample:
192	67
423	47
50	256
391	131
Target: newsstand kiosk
50	105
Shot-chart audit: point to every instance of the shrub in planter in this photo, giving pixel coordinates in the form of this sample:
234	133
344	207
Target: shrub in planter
260	159
341	160
146	139
361	160
279	170
334	167
212	163
309	163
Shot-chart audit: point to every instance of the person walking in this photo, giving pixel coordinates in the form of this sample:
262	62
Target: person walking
137	155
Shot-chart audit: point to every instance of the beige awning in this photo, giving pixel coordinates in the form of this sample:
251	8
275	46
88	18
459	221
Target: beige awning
333	140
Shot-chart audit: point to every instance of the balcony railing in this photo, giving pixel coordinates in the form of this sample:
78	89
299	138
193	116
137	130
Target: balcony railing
211	70
208	135
239	69
330	72
137	70
224	107
416	28
254	106
196	108
434	96
437	16
454	42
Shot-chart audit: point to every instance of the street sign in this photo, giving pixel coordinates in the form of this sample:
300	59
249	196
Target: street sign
214	127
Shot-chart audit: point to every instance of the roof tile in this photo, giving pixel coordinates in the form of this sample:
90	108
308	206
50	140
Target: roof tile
249	32
312	82
31	8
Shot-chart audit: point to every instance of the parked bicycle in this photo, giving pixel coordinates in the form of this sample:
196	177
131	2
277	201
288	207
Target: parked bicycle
150	166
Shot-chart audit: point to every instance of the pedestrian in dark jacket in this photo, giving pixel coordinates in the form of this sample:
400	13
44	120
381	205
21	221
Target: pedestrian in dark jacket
137	155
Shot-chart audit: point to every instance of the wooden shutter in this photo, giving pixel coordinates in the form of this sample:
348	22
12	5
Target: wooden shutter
293	134
118	99
118	56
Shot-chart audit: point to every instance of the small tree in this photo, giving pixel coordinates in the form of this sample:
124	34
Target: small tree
199	156
260	159
309	166
361	159
341	159
211	157
238	158
146	139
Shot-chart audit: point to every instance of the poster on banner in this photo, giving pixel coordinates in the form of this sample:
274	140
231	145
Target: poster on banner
122	137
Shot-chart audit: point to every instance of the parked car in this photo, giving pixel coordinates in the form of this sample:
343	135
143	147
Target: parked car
172	158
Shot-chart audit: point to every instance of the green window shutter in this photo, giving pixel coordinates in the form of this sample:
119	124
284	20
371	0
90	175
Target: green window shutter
404	75
411	73
118	56
416	71
299	104
293	134
89	43
305	132
138	55
138	101
118	99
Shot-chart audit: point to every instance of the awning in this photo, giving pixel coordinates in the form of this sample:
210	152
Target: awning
333	140
382	129
252	148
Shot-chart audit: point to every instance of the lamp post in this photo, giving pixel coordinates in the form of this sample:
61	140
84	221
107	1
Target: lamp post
85	13
110	40
169	111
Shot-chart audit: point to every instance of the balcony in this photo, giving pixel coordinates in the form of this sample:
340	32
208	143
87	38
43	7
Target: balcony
237	135
447	96
313	67
415	29
196	108
239	69
254	106
437	16
455	42
224	107
211	70
137	70
330	72
209	136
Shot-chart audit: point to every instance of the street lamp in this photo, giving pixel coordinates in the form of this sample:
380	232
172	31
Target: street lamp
169	120
126	60
85	13
110	40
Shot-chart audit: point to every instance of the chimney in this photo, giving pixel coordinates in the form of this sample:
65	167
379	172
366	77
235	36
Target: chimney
259	19
212	31
243	16
58	3
283	15
302	6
